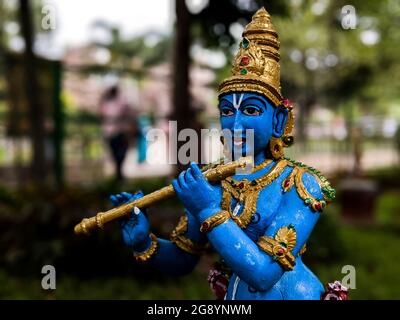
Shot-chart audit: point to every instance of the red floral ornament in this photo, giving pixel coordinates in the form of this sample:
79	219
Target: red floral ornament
287	104
335	291
218	283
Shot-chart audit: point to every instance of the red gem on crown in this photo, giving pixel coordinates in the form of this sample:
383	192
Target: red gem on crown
245	61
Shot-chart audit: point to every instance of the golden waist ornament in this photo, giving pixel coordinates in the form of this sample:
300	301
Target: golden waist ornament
213	175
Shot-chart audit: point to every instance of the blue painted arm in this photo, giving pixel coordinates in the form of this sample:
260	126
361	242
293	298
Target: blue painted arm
172	260
247	260
169	258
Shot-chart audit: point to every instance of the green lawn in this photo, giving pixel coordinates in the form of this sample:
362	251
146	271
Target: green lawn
375	254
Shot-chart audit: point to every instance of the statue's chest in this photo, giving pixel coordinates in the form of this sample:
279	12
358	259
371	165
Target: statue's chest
251	205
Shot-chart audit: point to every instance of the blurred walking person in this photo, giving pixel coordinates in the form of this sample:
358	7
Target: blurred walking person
118	125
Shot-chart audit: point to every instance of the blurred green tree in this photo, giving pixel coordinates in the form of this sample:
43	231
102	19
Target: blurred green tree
21	20
132	55
324	63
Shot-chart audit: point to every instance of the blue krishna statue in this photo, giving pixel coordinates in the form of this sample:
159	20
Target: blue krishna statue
258	222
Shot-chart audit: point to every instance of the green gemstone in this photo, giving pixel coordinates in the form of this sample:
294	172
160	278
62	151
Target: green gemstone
291	226
308	201
283	244
245	43
243	71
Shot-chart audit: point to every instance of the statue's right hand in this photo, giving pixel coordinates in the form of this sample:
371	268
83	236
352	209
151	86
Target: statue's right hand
136	228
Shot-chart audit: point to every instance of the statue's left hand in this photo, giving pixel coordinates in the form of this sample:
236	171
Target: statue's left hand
197	195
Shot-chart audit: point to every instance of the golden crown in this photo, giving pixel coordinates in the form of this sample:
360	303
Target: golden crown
256	65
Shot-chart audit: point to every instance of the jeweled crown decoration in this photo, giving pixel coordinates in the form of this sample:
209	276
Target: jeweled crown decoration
256	65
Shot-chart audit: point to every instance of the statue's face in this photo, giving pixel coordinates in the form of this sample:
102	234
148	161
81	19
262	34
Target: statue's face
241	111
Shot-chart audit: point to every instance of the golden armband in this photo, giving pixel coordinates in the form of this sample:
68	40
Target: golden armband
181	241
280	247
146	255
214	221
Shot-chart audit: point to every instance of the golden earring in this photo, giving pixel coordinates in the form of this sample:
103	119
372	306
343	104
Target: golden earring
276	148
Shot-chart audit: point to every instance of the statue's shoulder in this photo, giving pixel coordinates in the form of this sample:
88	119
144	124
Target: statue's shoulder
311	185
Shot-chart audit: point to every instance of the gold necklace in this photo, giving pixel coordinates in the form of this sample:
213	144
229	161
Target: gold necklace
246	193
262	165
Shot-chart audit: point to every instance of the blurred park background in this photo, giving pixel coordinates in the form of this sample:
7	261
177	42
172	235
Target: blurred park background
82	82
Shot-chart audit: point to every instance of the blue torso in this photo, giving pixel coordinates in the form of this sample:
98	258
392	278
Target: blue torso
299	283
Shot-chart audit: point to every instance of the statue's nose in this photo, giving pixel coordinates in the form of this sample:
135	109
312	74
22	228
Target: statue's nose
238	125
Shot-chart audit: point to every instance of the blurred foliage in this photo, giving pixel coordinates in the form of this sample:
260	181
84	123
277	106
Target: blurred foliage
357	69
194	286
388	210
212	26
133	54
321	62
9	20
325	246
372	251
36	227
388	178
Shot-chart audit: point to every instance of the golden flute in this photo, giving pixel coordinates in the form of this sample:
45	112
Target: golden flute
100	219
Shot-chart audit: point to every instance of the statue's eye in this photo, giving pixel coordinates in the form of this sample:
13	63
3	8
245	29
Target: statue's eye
251	111
226	112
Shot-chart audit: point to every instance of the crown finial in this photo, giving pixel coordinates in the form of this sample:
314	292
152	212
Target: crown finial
262	12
